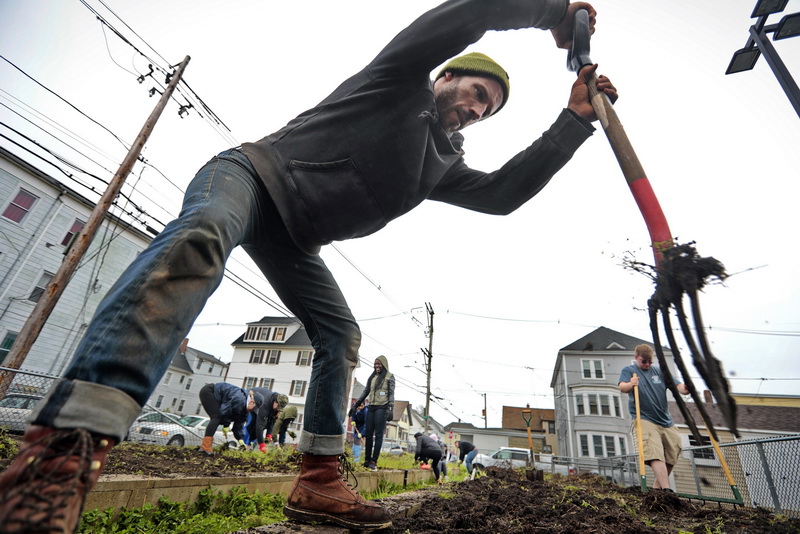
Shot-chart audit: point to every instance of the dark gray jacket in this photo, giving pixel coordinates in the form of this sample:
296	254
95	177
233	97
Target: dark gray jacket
373	150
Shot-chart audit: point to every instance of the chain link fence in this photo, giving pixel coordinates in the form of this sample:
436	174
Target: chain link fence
763	470
23	390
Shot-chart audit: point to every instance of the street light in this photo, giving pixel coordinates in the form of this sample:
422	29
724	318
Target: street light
758	43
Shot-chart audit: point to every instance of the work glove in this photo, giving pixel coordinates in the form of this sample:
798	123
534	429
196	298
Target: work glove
389	414
262	447
269	438
225	431
292	434
242	445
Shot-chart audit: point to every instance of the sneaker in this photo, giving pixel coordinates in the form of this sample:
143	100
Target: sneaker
372	466
44	488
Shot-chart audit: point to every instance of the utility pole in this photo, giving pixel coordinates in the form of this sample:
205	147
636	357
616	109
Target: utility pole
485	416
33	326
429	357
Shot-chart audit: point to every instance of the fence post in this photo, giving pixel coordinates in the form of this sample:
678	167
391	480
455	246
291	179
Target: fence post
768	476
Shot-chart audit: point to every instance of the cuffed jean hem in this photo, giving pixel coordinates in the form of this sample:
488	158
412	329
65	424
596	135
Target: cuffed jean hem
320	445
78	408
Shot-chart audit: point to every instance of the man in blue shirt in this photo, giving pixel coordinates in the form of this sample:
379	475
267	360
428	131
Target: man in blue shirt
662	441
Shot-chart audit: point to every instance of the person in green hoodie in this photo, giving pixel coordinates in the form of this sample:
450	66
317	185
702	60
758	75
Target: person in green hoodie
386	139
379	392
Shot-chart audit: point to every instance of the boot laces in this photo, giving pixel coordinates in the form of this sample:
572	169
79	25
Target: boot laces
346	470
40	494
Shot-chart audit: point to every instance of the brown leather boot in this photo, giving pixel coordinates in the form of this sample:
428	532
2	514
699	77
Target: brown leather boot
44	488
322	494
207	445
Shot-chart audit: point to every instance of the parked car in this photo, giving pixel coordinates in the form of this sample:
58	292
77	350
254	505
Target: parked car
514	458
158	428
15	409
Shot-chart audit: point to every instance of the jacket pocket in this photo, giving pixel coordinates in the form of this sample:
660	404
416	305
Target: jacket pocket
337	199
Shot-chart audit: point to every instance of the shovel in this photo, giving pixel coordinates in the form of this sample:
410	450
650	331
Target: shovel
639	439
679	269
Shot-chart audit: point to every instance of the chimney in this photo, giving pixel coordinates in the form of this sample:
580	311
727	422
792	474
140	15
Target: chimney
184	345
707	396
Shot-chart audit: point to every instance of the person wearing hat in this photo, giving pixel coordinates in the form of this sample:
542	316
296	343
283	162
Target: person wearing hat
385	140
264	419
226	404
285	418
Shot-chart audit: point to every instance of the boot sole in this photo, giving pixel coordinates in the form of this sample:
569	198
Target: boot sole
319	517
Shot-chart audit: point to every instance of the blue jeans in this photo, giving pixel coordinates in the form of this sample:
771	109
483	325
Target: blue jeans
468	459
373	438
145	316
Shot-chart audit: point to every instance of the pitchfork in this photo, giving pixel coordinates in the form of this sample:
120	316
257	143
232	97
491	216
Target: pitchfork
678	270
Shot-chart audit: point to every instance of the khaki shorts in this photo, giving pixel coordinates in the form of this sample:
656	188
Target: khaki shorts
660	443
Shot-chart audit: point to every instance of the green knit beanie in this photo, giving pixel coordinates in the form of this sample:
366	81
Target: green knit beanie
477	64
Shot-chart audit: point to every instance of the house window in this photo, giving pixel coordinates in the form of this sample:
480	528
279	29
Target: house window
167	378
41	285
266	383
597	404
174	401
600	445
211	368
257	356
76	227
188	384
183	377
199	364
257	333
8	342
279	334
249	382
159	401
605	407
704	456
592	368
180	406
623	448
593	404
304	357
551	427
298	388
273	357
197	411
20	206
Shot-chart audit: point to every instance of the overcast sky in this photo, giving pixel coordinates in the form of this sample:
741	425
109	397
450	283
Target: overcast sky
508	292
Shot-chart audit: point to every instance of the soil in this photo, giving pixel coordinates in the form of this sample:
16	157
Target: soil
504	501
500	501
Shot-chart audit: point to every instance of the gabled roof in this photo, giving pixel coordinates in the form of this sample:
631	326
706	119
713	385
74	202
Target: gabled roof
268	321
205	356
180	362
605	339
399	407
753	418
299	338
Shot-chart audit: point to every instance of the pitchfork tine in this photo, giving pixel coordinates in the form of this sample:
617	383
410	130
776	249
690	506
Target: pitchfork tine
654	308
718	384
704	415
